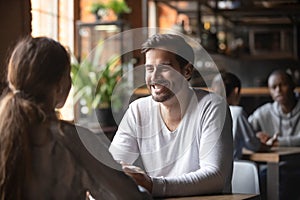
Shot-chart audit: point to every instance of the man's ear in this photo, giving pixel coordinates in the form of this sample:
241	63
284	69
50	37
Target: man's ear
188	71
236	90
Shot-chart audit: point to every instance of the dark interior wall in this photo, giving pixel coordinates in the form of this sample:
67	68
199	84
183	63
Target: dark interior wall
254	72
15	20
136	15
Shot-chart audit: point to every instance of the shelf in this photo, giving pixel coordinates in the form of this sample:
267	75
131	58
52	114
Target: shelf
255	91
258	91
247	91
90	34
119	23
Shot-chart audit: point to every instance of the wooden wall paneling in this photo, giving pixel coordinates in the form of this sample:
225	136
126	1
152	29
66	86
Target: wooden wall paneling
15	20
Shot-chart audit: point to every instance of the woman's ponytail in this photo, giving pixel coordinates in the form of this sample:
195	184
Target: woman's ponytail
18	115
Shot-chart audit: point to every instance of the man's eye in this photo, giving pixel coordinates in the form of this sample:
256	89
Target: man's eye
149	69
275	86
165	67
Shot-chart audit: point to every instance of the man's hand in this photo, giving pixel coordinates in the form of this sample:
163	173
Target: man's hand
263	137
273	141
139	175
266	139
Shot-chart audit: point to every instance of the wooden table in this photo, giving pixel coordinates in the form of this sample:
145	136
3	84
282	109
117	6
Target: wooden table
219	197
272	158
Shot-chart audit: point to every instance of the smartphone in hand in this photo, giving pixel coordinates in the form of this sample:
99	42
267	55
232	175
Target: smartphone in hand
272	139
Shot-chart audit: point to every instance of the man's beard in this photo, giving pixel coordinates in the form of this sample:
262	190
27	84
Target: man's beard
167	95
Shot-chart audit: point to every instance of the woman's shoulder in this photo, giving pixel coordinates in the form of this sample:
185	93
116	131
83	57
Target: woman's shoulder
91	152
79	134
71	127
83	140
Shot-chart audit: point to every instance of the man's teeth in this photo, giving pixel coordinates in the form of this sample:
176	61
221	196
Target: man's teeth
158	86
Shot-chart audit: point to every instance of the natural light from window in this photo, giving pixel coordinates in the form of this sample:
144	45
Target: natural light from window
55	19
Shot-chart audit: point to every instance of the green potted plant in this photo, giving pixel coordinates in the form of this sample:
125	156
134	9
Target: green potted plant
119	7
98	9
93	87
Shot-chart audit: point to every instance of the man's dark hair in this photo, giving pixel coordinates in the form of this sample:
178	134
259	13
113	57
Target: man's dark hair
172	43
231	81
287	76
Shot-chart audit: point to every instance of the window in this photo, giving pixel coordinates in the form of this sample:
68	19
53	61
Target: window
55	19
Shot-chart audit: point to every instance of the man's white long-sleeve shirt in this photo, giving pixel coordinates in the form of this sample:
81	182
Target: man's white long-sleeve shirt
194	159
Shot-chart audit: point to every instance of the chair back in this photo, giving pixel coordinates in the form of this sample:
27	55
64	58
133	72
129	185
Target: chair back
245	178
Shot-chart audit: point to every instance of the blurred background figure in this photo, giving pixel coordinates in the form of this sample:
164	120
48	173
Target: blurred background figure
279	119
278	122
228	85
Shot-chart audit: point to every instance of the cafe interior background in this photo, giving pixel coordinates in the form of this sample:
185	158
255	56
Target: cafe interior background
247	37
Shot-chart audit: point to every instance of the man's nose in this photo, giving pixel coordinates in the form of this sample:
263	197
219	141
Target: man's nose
278	88
156	74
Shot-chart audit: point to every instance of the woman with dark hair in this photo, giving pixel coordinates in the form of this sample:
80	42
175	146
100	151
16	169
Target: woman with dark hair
42	157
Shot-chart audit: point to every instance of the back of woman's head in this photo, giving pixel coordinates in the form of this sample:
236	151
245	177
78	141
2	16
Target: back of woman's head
35	68
36	65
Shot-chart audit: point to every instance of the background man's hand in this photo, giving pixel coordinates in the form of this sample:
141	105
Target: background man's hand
263	136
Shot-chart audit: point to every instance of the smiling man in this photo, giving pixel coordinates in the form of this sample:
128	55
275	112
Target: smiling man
182	135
